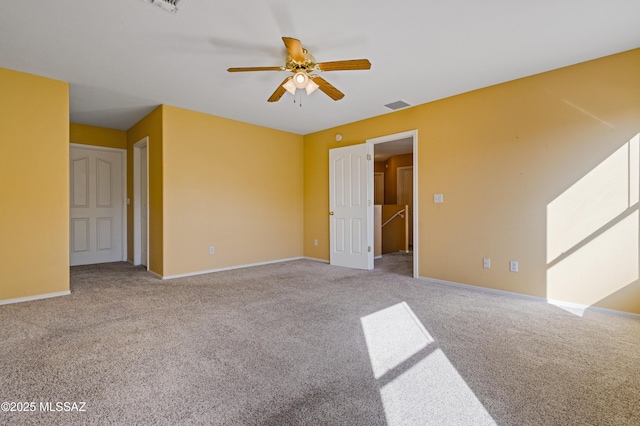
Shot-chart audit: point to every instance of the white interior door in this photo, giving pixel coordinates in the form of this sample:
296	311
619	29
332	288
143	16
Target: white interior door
378	188
351	206
96	210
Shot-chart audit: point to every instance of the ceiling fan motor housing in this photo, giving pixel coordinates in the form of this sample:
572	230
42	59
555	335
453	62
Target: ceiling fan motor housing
307	65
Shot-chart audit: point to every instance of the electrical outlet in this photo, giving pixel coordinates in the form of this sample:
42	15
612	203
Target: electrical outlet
513	266
315	243
486	263
438	198
211	250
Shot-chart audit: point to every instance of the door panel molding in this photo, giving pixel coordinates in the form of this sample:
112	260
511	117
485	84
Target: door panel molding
80	186
80	241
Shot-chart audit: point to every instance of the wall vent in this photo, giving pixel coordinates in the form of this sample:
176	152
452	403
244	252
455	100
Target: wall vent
168	5
397	105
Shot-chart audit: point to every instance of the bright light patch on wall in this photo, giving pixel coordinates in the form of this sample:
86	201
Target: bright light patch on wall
634	170
590	203
593	232
168	5
584	111
418	384
598	269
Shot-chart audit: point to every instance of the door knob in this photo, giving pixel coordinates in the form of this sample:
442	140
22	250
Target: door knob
330	213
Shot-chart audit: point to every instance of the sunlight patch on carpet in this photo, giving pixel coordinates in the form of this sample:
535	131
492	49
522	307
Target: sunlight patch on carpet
418	384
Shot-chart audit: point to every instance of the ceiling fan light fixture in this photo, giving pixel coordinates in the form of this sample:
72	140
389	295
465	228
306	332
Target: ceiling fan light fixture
311	87
290	86
300	79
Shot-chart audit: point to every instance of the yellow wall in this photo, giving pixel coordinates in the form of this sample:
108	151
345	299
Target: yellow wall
151	127
98	136
503	156
231	185
544	170
34	185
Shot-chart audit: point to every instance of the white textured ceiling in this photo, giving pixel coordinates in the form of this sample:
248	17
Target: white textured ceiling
124	57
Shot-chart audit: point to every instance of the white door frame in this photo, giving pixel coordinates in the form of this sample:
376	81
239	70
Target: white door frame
122	152
391	138
374	188
400	188
137	212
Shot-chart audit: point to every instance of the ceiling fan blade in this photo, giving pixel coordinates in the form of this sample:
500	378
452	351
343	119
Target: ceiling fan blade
279	91
255	69
327	88
354	64
294	48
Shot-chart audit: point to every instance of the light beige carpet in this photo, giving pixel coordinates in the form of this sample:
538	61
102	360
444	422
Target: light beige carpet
310	344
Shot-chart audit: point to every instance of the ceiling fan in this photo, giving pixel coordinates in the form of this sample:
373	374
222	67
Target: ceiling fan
302	64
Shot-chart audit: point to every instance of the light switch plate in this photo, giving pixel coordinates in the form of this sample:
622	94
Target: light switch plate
438	198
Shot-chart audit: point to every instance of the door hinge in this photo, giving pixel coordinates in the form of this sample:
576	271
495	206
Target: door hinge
369	249
369	157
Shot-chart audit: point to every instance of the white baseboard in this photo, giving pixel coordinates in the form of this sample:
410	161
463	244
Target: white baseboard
571	307
129	261
228	268
483	289
316	259
31	298
155	275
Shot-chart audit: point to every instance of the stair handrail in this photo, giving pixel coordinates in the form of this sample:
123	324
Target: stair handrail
396	214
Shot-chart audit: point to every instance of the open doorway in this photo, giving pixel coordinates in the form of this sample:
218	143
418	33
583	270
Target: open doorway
394	182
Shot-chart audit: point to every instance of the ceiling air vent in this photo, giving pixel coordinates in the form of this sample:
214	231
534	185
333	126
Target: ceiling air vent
397	105
168	5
